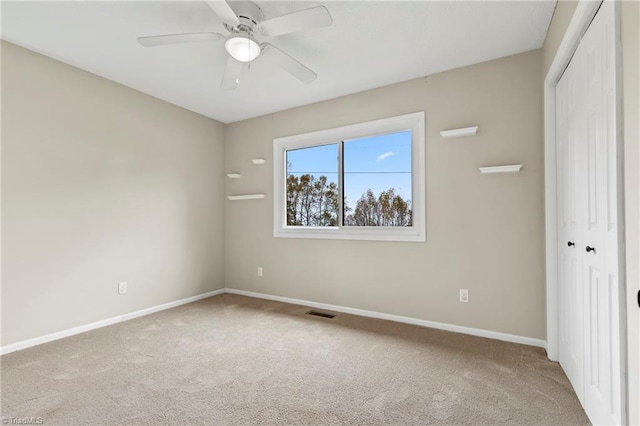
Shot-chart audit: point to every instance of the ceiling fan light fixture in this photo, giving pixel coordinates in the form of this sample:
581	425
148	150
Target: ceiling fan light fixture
242	48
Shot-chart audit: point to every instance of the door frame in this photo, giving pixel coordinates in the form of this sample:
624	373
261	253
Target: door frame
582	17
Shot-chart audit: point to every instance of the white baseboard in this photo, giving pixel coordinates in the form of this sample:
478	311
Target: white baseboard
103	323
125	317
424	323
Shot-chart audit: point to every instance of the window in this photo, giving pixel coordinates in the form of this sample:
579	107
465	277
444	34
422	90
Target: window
363	181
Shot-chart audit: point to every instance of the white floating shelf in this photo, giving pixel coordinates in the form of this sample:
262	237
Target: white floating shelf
258	161
514	168
234	175
457	133
245	197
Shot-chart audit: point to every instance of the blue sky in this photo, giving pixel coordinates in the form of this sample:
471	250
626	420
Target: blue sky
377	162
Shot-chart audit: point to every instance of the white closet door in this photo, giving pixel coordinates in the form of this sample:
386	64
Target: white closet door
570	224
600	259
589	290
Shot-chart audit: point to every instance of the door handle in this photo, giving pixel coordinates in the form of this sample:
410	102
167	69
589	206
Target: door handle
591	249
571	244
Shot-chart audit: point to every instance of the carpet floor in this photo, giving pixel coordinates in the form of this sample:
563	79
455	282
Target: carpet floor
234	360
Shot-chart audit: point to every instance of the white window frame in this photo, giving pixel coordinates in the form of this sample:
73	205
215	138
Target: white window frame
415	122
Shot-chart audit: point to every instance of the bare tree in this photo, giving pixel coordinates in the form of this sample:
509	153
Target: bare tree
313	201
388	209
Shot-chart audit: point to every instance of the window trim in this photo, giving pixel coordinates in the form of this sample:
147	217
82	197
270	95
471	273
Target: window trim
415	122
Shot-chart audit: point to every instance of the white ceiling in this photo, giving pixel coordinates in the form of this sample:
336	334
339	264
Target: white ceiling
370	44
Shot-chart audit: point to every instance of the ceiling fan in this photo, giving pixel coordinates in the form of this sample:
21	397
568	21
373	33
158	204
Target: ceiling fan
244	20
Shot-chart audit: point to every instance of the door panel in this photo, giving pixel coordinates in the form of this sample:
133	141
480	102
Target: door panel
602	336
594	196
569	230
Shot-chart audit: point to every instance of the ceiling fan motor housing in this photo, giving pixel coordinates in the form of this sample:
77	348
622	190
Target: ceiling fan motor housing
249	14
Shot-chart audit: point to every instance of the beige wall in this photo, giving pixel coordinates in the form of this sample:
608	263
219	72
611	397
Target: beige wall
101	184
561	17
631	134
630	14
484	232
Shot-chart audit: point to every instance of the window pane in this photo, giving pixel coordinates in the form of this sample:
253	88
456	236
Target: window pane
312	186
377	180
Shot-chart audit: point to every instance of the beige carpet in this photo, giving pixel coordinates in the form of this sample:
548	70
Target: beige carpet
237	360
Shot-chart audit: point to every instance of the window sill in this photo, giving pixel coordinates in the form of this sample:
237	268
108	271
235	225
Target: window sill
351	233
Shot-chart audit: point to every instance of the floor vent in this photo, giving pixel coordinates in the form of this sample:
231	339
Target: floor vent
320	314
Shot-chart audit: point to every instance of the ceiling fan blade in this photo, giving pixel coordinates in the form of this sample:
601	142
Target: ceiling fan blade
224	11
315	17
161	40
292	66
231	74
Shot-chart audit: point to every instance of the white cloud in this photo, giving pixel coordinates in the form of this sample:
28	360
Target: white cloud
385	155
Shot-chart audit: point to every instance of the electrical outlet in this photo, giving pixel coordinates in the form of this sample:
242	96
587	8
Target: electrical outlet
464	295
122	287
259	271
